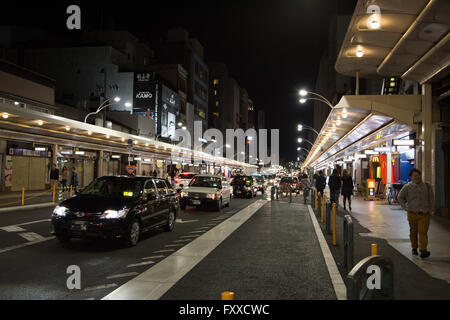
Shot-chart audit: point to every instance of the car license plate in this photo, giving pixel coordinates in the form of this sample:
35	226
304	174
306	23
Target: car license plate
79	225
196	202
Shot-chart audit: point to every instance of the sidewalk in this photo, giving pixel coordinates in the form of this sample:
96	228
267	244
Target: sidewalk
13	200
388	228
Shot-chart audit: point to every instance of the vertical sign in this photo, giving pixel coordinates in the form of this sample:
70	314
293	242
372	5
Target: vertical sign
144	90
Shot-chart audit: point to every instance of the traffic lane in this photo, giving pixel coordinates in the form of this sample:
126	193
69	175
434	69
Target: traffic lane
25	216
39	271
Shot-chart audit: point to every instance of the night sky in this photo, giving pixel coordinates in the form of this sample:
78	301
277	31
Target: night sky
272	48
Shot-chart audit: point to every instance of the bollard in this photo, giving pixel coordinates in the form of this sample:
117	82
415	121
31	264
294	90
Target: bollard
328	218
319	203
264	194
374	249
334	223
272	193
357	286
312	197
23	196
227	295
71	191
54	192
348	242
315	199
323	205
60	195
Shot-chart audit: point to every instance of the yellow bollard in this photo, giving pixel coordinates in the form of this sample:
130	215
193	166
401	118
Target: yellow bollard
71	191
334	223
323	206
54	192
23	196
227	295
374	249
315	199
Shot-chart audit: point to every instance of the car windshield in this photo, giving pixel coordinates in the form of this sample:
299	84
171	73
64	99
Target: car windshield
207	182
187	175
113	187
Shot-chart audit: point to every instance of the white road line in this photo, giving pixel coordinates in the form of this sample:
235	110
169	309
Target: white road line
185	240
25	244
185	221
174	245
140	264
33	222
31	236
192	236
161	251
122	275
339	286
12	229
157	280
153	257
104	286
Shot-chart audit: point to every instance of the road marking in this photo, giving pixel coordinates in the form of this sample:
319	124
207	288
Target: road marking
338	284
122	275
25	244
185	221
174	245
192	236
196	231
33	222
31	236
153	257
140	264
104	286
12	229
157	280
185	240
161	251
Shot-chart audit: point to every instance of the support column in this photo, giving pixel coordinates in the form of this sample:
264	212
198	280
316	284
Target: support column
55	154
427	119
99	172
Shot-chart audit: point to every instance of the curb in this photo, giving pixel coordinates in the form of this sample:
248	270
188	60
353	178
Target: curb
26	207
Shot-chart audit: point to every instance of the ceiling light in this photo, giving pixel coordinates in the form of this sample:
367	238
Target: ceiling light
146	144
40	122
16	103
107	136
359	53
5	116
67	128
89	133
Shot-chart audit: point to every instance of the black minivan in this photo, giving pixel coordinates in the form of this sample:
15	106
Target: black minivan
114	207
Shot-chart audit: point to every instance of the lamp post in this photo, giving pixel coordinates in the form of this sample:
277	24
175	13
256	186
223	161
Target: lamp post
301	126
303	93
300	140
102	106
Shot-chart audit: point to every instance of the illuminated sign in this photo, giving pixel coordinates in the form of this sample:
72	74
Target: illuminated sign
402	142
370	152
383	149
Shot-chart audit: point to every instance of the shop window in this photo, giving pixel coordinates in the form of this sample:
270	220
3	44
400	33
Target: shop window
217	103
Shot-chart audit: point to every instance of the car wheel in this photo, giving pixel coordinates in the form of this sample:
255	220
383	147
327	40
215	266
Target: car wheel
63	238
219	205
134	231
170	223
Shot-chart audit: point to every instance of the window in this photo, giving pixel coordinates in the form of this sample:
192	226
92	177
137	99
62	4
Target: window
149	188
216	81
215	92
216	114
217	103
161	186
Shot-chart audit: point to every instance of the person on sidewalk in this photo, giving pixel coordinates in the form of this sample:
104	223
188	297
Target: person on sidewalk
64	178
347	189
306	187
334	182
74	179
417	198
321	183
54	177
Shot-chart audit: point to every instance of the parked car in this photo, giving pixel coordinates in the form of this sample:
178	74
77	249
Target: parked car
290	182
244	186
182	181
117	207
204	190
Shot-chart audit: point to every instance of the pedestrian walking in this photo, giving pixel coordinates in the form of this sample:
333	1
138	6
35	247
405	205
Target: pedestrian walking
154	174
334	183
417	198
64	178
74	179
347	189
54	176
306	187
321	183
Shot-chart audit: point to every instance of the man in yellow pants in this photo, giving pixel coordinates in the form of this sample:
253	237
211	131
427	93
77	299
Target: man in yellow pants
417	198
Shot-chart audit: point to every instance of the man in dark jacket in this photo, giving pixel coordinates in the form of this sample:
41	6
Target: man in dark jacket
334	182
54	176
321	183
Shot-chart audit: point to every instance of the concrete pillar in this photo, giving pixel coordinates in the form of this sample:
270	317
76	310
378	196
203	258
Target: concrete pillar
427	129
55	154
99	172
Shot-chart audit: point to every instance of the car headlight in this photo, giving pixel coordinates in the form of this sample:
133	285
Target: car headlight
115	214
60	211
183	194
211	196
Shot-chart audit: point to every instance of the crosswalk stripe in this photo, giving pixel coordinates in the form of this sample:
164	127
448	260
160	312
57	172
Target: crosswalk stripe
104	286
153	257
122	275
31	236
140	264
12	229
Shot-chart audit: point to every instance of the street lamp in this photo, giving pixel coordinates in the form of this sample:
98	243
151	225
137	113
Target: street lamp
300	140
102	106
303	93
300	128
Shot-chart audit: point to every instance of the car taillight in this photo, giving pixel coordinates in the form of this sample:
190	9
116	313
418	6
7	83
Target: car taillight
176	179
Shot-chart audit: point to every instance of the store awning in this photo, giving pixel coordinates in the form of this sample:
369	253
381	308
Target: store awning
359	121
30	125
407	39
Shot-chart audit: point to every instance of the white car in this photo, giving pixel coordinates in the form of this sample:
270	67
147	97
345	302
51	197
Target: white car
182	181
207	190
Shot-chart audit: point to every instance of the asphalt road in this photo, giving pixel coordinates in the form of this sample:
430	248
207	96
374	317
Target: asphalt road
33	264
